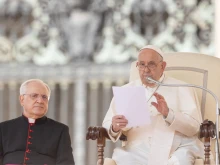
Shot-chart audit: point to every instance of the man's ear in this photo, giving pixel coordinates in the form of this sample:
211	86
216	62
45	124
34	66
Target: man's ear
164	64
21	98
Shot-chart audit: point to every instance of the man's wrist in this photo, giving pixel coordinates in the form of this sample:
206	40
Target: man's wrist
113	129
112	132
170	116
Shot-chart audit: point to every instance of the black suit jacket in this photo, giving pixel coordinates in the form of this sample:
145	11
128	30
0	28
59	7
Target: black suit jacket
44	142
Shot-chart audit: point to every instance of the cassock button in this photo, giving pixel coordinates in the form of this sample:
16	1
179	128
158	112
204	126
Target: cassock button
28	151
26	158
29	137
29	143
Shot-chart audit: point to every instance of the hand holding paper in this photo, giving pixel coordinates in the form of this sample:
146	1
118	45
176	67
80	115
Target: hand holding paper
119	122
131	102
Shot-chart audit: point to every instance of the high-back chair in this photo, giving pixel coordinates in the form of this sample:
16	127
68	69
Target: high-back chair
193	68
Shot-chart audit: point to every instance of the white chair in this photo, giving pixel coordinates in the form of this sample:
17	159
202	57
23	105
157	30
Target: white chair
193	68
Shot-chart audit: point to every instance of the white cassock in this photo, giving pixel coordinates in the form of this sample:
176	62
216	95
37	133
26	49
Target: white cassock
166	141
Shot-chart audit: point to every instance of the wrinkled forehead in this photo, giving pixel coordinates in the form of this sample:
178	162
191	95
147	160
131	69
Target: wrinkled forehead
149	55
37	87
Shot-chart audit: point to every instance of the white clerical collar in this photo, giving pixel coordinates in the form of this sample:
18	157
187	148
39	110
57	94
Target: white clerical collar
30	120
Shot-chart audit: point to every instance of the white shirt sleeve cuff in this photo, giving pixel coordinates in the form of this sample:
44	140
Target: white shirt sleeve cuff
170	116
112	133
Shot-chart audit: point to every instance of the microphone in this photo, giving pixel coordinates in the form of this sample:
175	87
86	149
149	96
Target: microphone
150	80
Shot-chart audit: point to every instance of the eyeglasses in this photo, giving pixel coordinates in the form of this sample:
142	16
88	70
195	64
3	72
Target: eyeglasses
34	96
151	65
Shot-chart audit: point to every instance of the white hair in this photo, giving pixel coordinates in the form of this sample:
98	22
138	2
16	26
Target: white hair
23	86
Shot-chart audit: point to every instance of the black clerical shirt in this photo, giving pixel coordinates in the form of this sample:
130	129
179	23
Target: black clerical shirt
45	142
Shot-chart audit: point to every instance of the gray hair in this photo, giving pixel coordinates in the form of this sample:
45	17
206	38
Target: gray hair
23	86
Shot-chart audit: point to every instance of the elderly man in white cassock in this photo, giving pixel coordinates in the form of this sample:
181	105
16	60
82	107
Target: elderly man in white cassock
171	138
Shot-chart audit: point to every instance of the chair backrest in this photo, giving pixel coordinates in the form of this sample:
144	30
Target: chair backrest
193	68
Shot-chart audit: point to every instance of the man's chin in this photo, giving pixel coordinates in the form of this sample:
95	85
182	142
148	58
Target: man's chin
39	112
148	83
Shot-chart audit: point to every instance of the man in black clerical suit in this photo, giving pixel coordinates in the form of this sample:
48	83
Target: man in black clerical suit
33	138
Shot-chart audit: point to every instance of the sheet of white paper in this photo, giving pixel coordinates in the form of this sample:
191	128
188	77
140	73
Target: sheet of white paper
131	102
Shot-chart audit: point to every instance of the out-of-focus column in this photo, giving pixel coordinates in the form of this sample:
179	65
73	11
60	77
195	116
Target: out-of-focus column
64	103
93	103
79	120
92	116
12	100
106	96
217	28
52	108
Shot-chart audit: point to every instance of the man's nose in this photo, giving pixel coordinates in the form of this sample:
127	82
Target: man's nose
146	69
39	98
